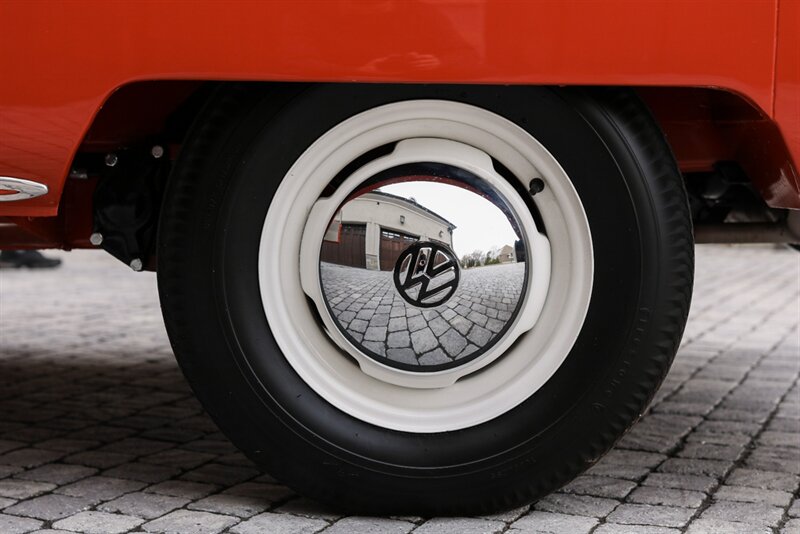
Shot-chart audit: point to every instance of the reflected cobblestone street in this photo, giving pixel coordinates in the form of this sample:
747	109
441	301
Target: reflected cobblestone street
370	309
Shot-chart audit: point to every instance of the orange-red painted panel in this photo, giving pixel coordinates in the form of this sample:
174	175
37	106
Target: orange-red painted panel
787	85
60	60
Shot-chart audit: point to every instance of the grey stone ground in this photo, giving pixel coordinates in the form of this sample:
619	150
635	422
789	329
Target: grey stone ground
100	434
368	307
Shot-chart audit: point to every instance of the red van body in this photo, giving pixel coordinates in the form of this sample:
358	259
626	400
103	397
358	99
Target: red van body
63	62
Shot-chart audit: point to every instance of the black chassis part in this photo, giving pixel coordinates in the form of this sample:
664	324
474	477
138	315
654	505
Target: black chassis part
127	202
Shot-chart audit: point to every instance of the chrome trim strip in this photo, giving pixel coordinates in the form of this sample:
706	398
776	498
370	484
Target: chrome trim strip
23	189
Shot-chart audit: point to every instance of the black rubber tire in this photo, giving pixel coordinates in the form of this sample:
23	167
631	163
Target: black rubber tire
211	222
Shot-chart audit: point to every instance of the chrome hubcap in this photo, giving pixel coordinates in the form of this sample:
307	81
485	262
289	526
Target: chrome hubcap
423	267
406	201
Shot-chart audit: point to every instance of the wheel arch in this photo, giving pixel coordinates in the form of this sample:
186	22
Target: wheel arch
703	126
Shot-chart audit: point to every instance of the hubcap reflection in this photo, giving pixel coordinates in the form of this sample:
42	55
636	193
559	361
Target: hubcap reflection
423	269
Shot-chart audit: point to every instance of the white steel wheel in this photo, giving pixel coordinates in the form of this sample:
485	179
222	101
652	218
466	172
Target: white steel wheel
558	278
319	286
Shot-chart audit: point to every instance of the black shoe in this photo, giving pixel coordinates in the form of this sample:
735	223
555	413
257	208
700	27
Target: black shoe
33	259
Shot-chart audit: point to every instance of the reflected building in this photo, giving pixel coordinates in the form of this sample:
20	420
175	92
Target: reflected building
372	230
507	254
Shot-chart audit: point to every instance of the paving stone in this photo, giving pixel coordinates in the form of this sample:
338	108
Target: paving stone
100	459
550	523
791	527
709	427
358	325
375	333
645	514
600	487
780	439
577	505
238	505
435	357
265	492
479	335
439	326
180	458
685	466
369	525
142	472
774	459
398	323
462	525
50	507
417	322
144	505
220	474
307	508
618	471
711	451
718	526
182	488
378	347
423	340
346	316
469	349
67	445
379	320
507	516
448	314
763	479
10	445
213	443
615	528
136	446
279	524
453	342
667	497
678	481
758	514
29	458
398	340
477	318
719	439
461	324
403	356
98	523
794	510
100	488
494	325
58	473
190	522
103	433
17	525
23	489
8	470
644	441
757	495
725	414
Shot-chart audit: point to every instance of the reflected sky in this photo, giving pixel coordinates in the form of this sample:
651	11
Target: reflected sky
480	225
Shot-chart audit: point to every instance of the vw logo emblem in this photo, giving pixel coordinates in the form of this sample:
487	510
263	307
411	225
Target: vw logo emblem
426	274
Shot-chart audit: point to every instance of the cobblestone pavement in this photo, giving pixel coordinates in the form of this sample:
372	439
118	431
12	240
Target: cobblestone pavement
100	434
373	313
